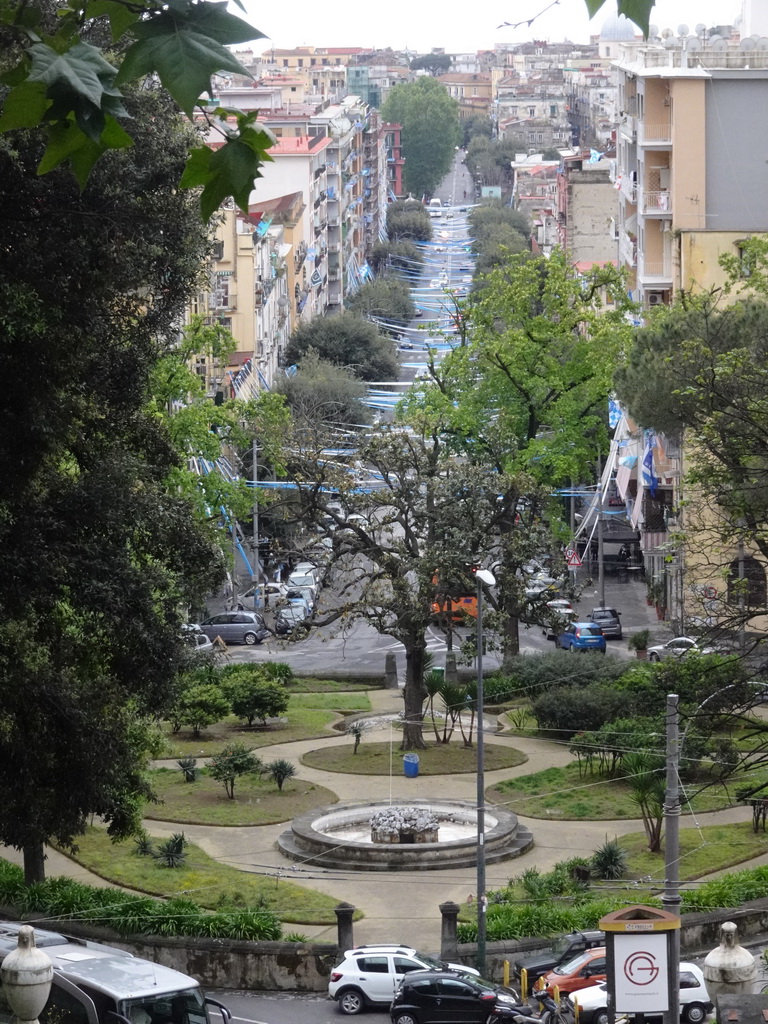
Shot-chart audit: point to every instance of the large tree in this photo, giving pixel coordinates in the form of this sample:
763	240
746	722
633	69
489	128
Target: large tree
98	554
321	392
387	298
431	131
346	340
411	538
701	366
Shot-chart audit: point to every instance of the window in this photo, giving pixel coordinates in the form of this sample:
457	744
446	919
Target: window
745	260
749	583
531	111
285	63
373	964
553	110
454	987
403	966
301	63
688	980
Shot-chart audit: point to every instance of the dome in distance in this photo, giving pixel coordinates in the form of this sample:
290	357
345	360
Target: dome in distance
618	28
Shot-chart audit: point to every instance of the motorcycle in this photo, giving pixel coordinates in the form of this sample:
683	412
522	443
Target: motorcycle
549	1012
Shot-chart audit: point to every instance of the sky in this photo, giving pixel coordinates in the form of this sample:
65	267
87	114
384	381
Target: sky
459	26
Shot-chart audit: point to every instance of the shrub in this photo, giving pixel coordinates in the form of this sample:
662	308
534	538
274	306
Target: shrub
230	763
188	765
253	696
129	914
278	672
280	770
203	705
609	861
144	847
571	709
534	676
172	852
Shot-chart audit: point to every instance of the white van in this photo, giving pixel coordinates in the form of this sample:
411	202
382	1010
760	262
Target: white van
96	984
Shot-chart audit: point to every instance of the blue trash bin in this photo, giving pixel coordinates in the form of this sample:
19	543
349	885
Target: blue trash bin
410	765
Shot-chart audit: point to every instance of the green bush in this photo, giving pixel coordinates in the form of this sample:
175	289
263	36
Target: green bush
571	709
609	861
129	914
534	676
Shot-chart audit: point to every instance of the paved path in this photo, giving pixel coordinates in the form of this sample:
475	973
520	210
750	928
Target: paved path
398	906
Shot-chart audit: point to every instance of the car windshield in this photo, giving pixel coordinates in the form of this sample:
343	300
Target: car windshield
292	613
571	965
561	945
302	581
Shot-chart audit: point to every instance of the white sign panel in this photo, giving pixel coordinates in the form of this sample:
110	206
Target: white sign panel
640	973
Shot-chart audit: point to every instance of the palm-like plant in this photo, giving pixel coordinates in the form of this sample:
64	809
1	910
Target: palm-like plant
646	780
280	770
433	683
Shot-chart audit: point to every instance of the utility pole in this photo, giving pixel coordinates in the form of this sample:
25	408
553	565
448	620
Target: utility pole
671	899
487	577
234	562
256	579
600	557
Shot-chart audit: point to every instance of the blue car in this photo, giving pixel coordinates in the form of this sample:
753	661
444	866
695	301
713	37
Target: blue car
582	636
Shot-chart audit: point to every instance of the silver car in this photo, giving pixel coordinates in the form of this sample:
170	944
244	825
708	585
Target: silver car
682	646
609	621
238	627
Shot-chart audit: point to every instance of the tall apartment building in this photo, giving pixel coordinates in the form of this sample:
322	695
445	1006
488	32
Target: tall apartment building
691	180
395	159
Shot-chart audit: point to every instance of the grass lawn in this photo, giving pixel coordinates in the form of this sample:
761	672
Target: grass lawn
307	684
208	883
560	793
437	759
701	851
257	800
302	724
342	702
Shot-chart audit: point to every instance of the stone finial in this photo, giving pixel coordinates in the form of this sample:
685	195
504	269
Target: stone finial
729	968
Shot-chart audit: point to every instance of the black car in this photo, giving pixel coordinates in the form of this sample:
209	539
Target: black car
562	949
437	997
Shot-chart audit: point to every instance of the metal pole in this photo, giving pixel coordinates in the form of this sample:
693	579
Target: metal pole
481	899
234	562
256	559
600	558
742	601
671	900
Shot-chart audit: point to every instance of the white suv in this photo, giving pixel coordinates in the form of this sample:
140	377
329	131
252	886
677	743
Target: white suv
370	975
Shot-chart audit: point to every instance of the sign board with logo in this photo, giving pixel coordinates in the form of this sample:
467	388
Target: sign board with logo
640	973
639	947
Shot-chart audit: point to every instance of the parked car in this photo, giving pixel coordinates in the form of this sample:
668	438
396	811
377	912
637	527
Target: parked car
436	997
291	617
582	636
194	637
582	971
694	999
236	627
562	950
682	646
558	614
266	595
306	568
370	975
609	620
304	580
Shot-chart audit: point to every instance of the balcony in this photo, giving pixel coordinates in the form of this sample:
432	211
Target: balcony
628	127
656	203
655	271
627	249
654	134
628	188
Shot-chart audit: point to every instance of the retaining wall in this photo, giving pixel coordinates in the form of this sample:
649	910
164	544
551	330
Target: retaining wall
305	967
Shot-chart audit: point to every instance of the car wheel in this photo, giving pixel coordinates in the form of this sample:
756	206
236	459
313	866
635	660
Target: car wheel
694	1013
600	1016
351	1001
653	656
406	1017
250	639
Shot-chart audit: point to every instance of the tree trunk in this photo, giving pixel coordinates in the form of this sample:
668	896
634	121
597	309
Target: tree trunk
34	863
511	641
413	697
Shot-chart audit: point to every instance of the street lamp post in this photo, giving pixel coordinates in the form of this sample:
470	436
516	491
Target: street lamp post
487	577
671	898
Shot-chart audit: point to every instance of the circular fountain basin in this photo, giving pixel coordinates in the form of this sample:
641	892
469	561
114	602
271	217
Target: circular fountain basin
340	837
